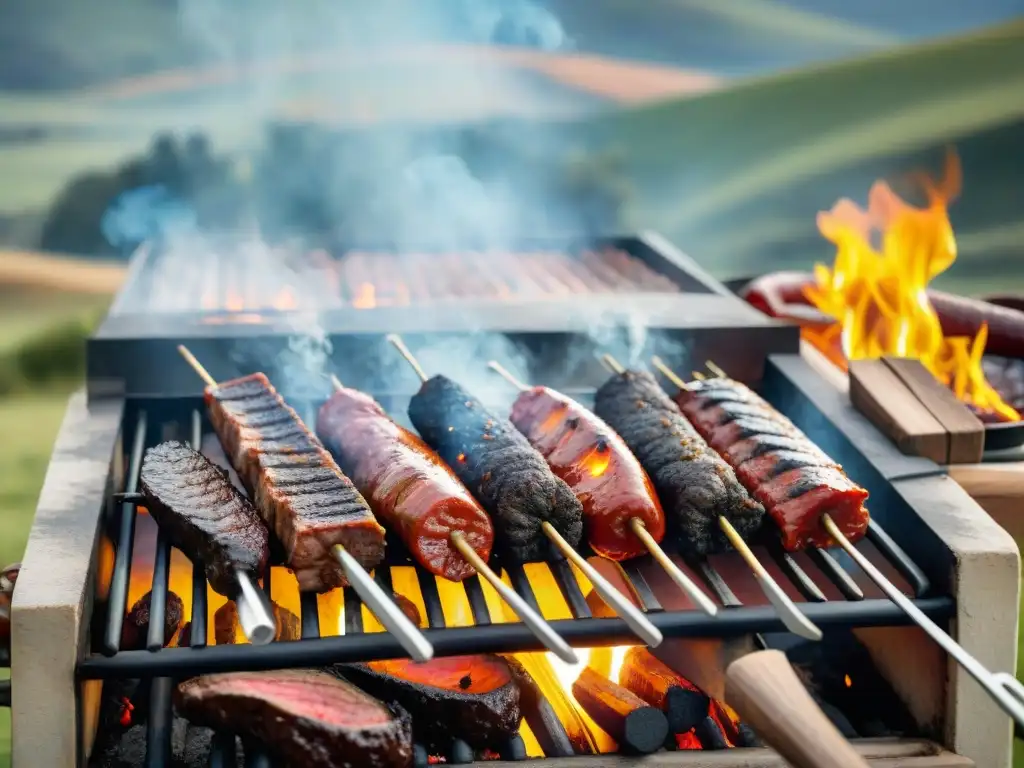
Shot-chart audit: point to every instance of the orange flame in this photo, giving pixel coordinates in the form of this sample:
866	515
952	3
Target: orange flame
878	296
597	460
366	297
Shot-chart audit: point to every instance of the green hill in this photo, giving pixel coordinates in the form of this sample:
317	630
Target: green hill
729	172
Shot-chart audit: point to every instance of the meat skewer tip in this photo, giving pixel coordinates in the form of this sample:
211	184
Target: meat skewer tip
389	615
791	616
1004	688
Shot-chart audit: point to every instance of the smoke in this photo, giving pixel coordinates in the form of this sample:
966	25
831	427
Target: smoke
147	213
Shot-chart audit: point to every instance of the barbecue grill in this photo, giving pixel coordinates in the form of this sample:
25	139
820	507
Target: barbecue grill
92	551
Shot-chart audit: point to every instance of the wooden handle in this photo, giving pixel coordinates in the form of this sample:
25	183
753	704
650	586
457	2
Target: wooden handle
763	688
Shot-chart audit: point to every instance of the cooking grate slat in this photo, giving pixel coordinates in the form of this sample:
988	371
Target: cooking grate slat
165	665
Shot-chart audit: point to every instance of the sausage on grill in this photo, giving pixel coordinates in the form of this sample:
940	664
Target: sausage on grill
504	472
203	514
408	486
295	484
598	466
777	462
695	485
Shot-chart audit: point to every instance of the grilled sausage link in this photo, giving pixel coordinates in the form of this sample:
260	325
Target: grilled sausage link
795	480
598	466
504	472
294	483
406	483
695	484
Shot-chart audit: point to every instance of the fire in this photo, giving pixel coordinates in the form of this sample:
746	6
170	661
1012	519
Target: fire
596	461
285	300
878	293
366	297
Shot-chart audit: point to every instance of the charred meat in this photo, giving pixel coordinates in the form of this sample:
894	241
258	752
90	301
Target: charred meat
473	698
408	486
203	514
227	628
594	461
306	717
505	473
295	484
779	465
695	484
135	628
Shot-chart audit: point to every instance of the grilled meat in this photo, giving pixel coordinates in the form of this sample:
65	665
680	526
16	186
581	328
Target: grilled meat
135	628
594	461
504	472
777	463
473	698
295	484
695	485
203	514
406	483
306	717
227	628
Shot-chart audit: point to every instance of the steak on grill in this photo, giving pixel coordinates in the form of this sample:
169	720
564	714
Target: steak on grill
203	514
499	466
295	484
135	628
307	718
473	698
695	484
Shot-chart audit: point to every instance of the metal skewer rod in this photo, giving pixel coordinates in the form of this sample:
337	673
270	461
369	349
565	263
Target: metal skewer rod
791	616
684	582
711	366
533	620
1002	687
389	615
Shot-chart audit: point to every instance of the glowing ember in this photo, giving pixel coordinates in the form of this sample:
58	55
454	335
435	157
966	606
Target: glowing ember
596	462
366	297
285	300
878	295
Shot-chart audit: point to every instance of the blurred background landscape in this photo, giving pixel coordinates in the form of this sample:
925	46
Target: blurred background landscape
726	125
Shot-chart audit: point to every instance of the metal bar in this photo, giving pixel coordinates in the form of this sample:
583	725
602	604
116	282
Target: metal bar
640	588
513	749
717	584
222	752
197	621
117	600
901	560
521	584
836	573
431	599
158	723
549	731
496	638
158	594
353	613
477	601
310	615
794	572
570	588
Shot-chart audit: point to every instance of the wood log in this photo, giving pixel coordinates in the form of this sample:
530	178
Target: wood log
656	683
636	726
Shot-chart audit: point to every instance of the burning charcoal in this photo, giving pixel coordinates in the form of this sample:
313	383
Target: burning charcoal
227	630
136	623
305	717
710	734
637	727
9	577
190	747
654	681
473	698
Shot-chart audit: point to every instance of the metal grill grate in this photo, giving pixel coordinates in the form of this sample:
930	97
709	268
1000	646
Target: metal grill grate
854	605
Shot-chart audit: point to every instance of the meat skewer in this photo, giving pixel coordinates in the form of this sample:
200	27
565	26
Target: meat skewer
407	485
263	491
465	546
1003	687
205	516
540	628
695	484
604	475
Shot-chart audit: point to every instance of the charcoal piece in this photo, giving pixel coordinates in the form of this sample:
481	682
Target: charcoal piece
473	698
710	734
203	514
226	624
695	485
135	628
747	738
501	469
190	747
304	717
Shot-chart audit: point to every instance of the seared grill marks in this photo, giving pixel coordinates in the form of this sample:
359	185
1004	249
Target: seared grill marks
499	466
203	514
694	484
294	482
